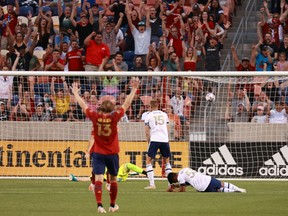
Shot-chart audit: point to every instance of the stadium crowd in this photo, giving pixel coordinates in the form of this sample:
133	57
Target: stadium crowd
125	35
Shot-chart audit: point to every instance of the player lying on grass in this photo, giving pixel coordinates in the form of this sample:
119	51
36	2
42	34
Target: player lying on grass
125	170
199	181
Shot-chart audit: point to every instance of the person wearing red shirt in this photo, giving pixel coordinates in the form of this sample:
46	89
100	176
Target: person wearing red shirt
74	58
105	148
10	19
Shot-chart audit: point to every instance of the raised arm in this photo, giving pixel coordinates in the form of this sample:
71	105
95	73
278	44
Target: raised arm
134	84
128	15
235	56
117	27
59	7
88	38
74	7
75	90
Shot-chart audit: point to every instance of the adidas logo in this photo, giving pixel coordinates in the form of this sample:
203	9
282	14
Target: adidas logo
278	165
217	166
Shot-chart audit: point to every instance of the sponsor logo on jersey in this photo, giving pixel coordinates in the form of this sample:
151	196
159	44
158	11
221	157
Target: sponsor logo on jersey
278	165
221	163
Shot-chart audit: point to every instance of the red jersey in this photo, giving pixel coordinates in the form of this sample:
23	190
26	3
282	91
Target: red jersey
74	59
105	131
96	52
189	66
12	23
177	44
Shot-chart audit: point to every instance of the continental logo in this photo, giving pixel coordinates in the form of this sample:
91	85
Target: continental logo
60	158
278	165
221	163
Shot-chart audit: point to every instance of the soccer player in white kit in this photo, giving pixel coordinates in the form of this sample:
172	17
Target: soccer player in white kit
157	130
199	181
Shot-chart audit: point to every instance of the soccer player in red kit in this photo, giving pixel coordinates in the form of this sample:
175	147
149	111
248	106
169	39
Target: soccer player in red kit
106	144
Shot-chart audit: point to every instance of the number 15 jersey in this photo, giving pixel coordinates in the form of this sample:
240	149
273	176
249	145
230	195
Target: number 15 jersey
105	131
157	122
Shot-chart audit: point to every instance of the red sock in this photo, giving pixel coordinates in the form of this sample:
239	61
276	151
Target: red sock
98	192
113	193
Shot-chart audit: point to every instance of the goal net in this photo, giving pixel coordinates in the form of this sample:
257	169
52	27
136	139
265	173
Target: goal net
225	126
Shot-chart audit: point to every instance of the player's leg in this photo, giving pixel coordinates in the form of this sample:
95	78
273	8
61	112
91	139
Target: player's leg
98	170
135	168
232	187
165	152
113	167
217	186
152	151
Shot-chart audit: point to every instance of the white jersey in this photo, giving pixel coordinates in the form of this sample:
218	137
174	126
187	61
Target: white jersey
278	117
157	122
196	179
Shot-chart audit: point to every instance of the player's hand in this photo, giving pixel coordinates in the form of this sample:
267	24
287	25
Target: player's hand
135	82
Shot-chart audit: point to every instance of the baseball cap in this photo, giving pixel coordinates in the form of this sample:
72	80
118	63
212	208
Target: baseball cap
245	59
40	104
196	6
2	103
260	108
141	23
242	104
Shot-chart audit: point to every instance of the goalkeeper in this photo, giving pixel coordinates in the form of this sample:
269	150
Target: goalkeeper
125	170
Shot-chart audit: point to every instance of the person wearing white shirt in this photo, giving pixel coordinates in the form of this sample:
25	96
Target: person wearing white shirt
278	115
260	117
202	183
157	130
6	83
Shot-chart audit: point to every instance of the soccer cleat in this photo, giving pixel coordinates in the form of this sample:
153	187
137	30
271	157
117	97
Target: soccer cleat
101	210
72	178
91	187
150	187
107	186
242	190
114	209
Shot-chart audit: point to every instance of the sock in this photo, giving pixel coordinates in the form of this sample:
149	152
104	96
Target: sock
227	190
98	193
168	169
231	186
113	193
144	172
150	174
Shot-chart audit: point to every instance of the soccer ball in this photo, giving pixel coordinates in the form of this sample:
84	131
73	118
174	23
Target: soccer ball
210	97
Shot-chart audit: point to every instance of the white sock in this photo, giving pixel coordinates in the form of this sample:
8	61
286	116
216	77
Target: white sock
231	186
227	190
150	174
168	169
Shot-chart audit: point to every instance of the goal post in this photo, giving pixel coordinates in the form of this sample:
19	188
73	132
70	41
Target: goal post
224	124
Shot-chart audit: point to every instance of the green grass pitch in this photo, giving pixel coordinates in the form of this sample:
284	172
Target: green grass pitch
64	198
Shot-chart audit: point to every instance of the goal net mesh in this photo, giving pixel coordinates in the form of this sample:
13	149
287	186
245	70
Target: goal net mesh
228	127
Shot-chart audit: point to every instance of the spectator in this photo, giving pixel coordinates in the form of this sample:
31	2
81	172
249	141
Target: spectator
241	115
262	100
74	113
11	22
212	59
138	64
75	59
85	27
260	117
240	97
282	64
125	117
278	115
175	123
142	35
137	108
246	64
178	104
41	114
264	60
155	23
6	83
117	64
4	113
216	10
109	33
64	19
62	98
55	63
